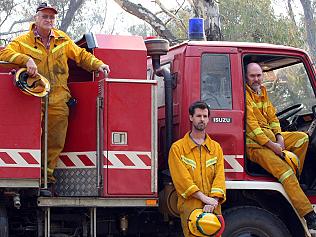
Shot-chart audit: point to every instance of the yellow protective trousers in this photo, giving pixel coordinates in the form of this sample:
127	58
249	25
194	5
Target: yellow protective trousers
58	112
297	142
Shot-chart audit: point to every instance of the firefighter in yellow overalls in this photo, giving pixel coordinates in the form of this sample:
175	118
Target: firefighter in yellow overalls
265	142
46	50
196	165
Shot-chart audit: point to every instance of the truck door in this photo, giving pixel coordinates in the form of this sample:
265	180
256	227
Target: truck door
222	88
130	123
77	166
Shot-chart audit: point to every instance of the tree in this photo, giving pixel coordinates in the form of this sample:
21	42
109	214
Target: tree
74	17
310	26
207	9
255	21
239	20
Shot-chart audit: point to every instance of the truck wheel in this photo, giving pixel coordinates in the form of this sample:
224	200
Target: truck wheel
4	225
248	221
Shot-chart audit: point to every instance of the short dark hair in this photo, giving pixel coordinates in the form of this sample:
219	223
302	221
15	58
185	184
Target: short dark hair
200	105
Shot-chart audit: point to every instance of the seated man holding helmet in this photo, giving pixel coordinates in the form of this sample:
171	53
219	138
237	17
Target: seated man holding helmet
271	148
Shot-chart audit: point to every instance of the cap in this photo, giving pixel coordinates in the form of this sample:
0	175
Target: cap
44	5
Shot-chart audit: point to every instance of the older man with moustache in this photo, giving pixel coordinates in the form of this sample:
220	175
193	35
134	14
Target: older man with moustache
46	50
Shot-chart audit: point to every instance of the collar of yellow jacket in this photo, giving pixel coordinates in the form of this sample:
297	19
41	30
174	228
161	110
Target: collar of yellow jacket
189	144
253	94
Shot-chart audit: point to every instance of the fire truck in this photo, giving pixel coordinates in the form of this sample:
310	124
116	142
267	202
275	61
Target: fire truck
113	177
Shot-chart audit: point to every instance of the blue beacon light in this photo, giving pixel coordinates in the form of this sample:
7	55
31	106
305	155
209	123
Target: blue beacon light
196	29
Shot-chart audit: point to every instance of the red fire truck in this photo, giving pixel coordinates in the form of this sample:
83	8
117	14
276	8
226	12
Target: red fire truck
112	177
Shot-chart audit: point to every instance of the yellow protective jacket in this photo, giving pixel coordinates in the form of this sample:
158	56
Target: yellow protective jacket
52	62
262	123
197	168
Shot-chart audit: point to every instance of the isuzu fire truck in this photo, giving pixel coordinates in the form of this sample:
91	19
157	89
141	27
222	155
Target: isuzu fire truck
113	178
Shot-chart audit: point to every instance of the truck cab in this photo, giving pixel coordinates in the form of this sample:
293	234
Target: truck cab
214	72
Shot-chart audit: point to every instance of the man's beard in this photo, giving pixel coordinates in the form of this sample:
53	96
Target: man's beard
199	126
255	87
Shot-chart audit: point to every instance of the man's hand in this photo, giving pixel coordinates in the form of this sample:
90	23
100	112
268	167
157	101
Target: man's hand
280	141
210	203
31	68
209	208
105	69
275	147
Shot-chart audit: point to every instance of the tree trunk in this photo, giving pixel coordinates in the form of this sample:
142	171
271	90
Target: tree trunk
209	10
142	13
74	5
310	27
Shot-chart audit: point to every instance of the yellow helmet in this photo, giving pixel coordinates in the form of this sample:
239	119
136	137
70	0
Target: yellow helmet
205	224
292	160
37	86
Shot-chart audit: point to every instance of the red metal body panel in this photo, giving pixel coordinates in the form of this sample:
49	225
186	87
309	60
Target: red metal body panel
81	134
129	110
126	55
20	131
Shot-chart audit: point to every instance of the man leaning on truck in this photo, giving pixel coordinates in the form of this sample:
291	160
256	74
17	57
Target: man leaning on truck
265	142
196	165
46	50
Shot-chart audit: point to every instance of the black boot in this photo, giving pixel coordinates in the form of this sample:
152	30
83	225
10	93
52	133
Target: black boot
311	220
44	192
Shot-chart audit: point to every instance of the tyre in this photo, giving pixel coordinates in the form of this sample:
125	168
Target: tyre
248	221
4	225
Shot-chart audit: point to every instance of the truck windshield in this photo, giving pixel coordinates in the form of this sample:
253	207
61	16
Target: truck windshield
290	85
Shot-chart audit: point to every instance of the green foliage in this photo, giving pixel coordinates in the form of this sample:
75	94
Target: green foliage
88	17
291	86
178	28
141	30
255	21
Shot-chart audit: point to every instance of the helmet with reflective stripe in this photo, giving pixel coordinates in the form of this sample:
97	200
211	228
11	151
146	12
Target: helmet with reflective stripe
292	160
37	86
205	224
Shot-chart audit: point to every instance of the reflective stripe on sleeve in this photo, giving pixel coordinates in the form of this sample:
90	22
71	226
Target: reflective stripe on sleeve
13	57
188	190
92	61
274	125
250	141
218	190
255	132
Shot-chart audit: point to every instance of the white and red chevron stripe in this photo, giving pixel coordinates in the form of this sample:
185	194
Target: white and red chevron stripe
112	160
234	163
20	158
129	160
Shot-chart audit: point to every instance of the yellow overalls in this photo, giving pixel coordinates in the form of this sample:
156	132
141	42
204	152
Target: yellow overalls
52	64
262	126
196	168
